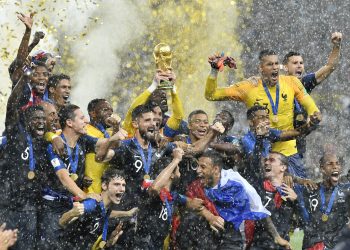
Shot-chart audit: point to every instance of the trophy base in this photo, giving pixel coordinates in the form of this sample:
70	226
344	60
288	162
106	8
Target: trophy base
165	85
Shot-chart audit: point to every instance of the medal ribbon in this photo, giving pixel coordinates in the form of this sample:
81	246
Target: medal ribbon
31	153
331	200
146	164
297	106
105	223
103	130
167	198
73	164
274	106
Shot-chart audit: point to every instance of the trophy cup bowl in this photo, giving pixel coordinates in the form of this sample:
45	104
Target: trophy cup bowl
163	57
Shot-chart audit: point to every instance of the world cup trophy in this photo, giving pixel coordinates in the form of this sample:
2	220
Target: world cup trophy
163	56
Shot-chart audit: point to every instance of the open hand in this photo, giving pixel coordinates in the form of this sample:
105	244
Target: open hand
27	20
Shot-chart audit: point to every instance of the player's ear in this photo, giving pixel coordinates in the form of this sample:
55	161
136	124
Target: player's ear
135	124
104	186
69	123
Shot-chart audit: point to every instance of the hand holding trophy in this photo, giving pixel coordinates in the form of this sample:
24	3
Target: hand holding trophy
163	56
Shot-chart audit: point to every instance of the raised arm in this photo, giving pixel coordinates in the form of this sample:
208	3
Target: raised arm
12	103
333	59
177	115
164	176
23	47
213	93
303	97
141	99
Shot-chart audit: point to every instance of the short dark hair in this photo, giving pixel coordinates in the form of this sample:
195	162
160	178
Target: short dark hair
251	111
215	157
283	158
266	52
140	110
196	112
111	173
55	79
93	104
290	54
28	112
67	112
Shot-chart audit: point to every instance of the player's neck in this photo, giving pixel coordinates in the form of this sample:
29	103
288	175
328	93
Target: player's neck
71	137
142	141
193	138
328	183
277	181
106	200
216	180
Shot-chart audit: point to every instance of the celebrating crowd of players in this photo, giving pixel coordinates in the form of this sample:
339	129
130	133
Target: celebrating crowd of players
154	181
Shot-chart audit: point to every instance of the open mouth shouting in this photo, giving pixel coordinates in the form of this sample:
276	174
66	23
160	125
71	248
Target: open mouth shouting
298	74
66	98
335	176
40	129
274	76
40	87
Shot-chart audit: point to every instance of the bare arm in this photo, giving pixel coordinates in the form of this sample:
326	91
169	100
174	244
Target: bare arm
23	47
119	214
69	184
333	59
103	146
37	37
274	234
71	215
164	176
226	147
11	111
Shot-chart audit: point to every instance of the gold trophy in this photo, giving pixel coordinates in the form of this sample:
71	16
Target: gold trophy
163	56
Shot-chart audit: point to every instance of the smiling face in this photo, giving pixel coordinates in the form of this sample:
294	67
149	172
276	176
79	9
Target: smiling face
259	117
115	189
269	68
52	122
78	123
102	111
331	169
145	125
226	120
295	67
39	79
159	98
206	171
198	126
36	124
158	116
62	92
273	167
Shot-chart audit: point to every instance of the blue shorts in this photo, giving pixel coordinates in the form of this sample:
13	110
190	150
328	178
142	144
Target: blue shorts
296	166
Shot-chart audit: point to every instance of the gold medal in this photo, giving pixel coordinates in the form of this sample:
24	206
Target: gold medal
102	244
274	119
146	177
300	117
74	177
31	175
324	217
